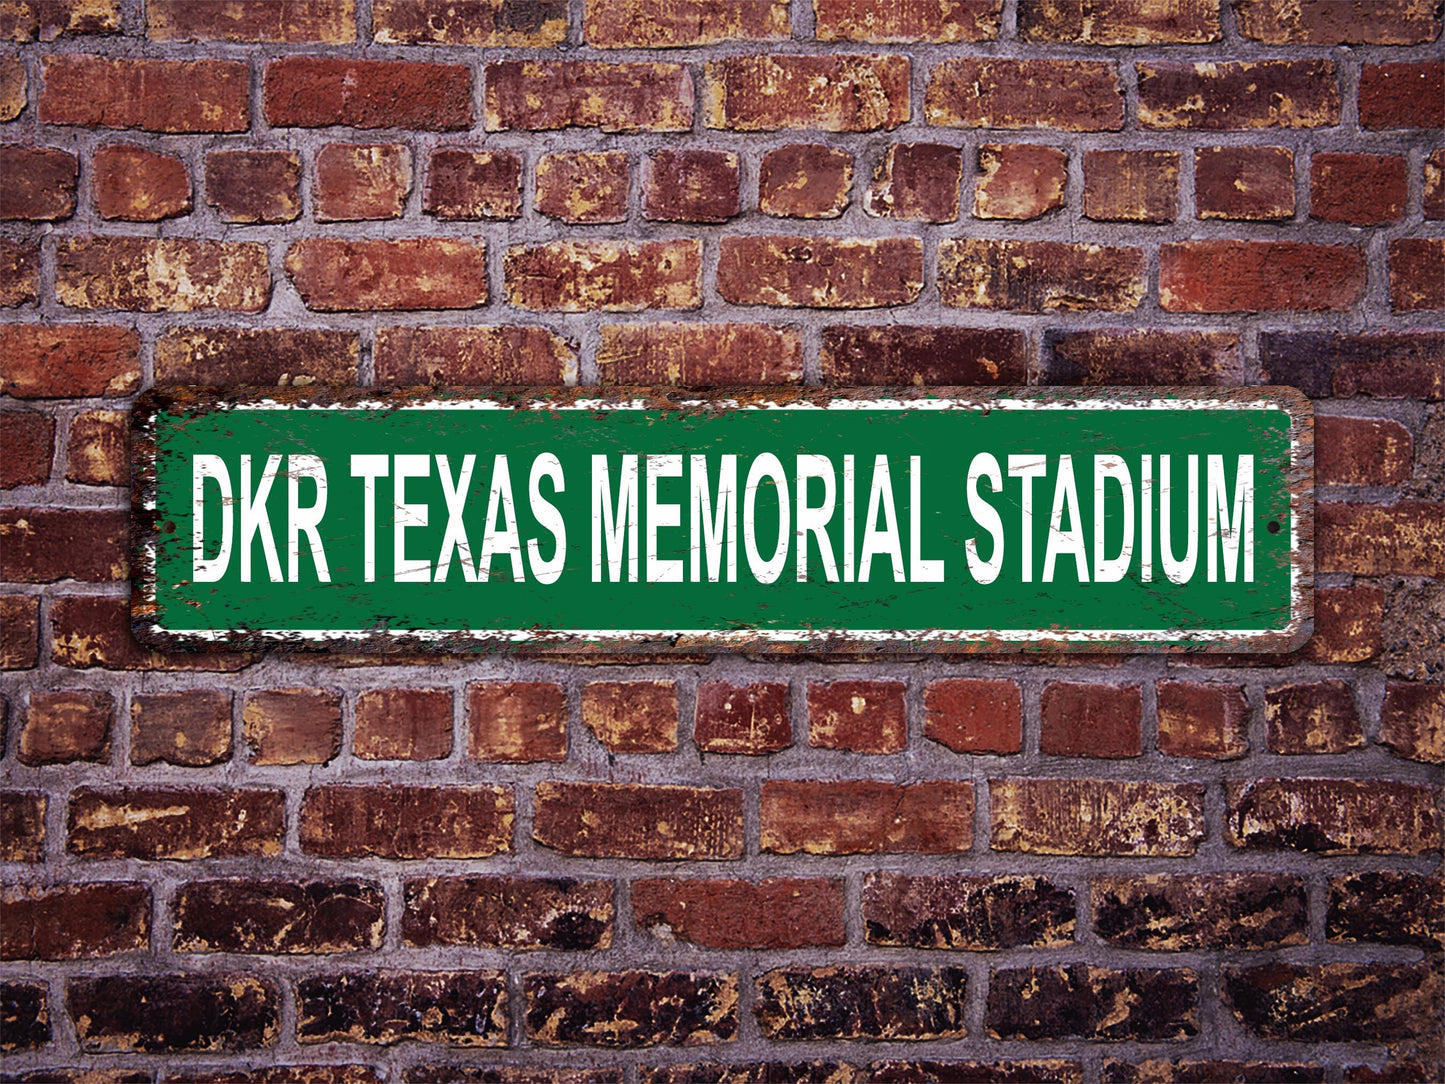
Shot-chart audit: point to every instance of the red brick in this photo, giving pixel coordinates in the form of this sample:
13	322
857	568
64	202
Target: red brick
341	821
19	631
882	22
517	721
339	274
473	22
1104	357
832	93
43	545
28	21
19	272
999	92
1358	189
292	726
699	354
62	727
1362	451
190	729
74	922
974	716
1347	624
1204	721
539	95
647	24
859	716
39	183
690	186
29	440
472	355
278	917
945	354
1096	817
154	95
611	276
1019	180
866	817
805	180
1215	96
319	91
1433	198
259	356
1249	183
357	181
1313	22
22	825
632	716
403	724
1403	95
583	188
1089	720
1412	721
630	820
508	912
751	720
1333	816
820	272
254	186
1417	273
778	913
966	913
13	87
1407	538
164	1013
332	22
1259	276
98	452
1039	276
466	185
1131	186
94	630
1119	22
137	185
917	181
175	823
143	274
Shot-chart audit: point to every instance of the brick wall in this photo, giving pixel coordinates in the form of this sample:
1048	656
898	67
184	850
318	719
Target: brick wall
528	869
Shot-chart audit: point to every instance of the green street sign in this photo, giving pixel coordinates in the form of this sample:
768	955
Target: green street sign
872	520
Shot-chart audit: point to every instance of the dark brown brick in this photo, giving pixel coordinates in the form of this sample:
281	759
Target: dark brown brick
278	917
65	726
190	729
820	272
1343	1002
1417	273
1362	451
805	180
1096	817
583	188
750	719
403	724
1209	1070
610	276
1433	198
29	440
1019	180
702	354
122	273
508	912
98	452
473	22
1259	276
974	913
156	1014
137	185
875	1003
1390	365
690	186
632	716
292	726
460	1008
1333	816
778	913
1203	911
94	630
864	354
249	186
39	183
58	19
1090	720
1358	189
517	721
798	1072
331	23
68	361
1300	22
175	823
1407	537
19	272
468	185
832	93
644	24
1092	1003
1202	720
1412	720
334	274
19	631
1318	717
22	825
1347	624
1390	907
866	817
541	95
1027	1071
24	1015
1403	95
319	91
278	1074
74	922
358	181
1131	185
274	356
349	821
1001	92
630	1009
508	1074
917	181
1039	276
14	85
626	820
974	716
1119	22
154	95
498	355
1250	183
1218	96
1144	357
43	545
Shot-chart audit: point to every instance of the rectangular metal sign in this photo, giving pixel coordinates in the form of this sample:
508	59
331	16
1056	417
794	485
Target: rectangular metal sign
884	519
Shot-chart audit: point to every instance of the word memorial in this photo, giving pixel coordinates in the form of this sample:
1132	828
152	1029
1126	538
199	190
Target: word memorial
884	519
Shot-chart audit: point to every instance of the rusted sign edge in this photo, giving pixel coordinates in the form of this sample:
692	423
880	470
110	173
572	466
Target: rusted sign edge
145	522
